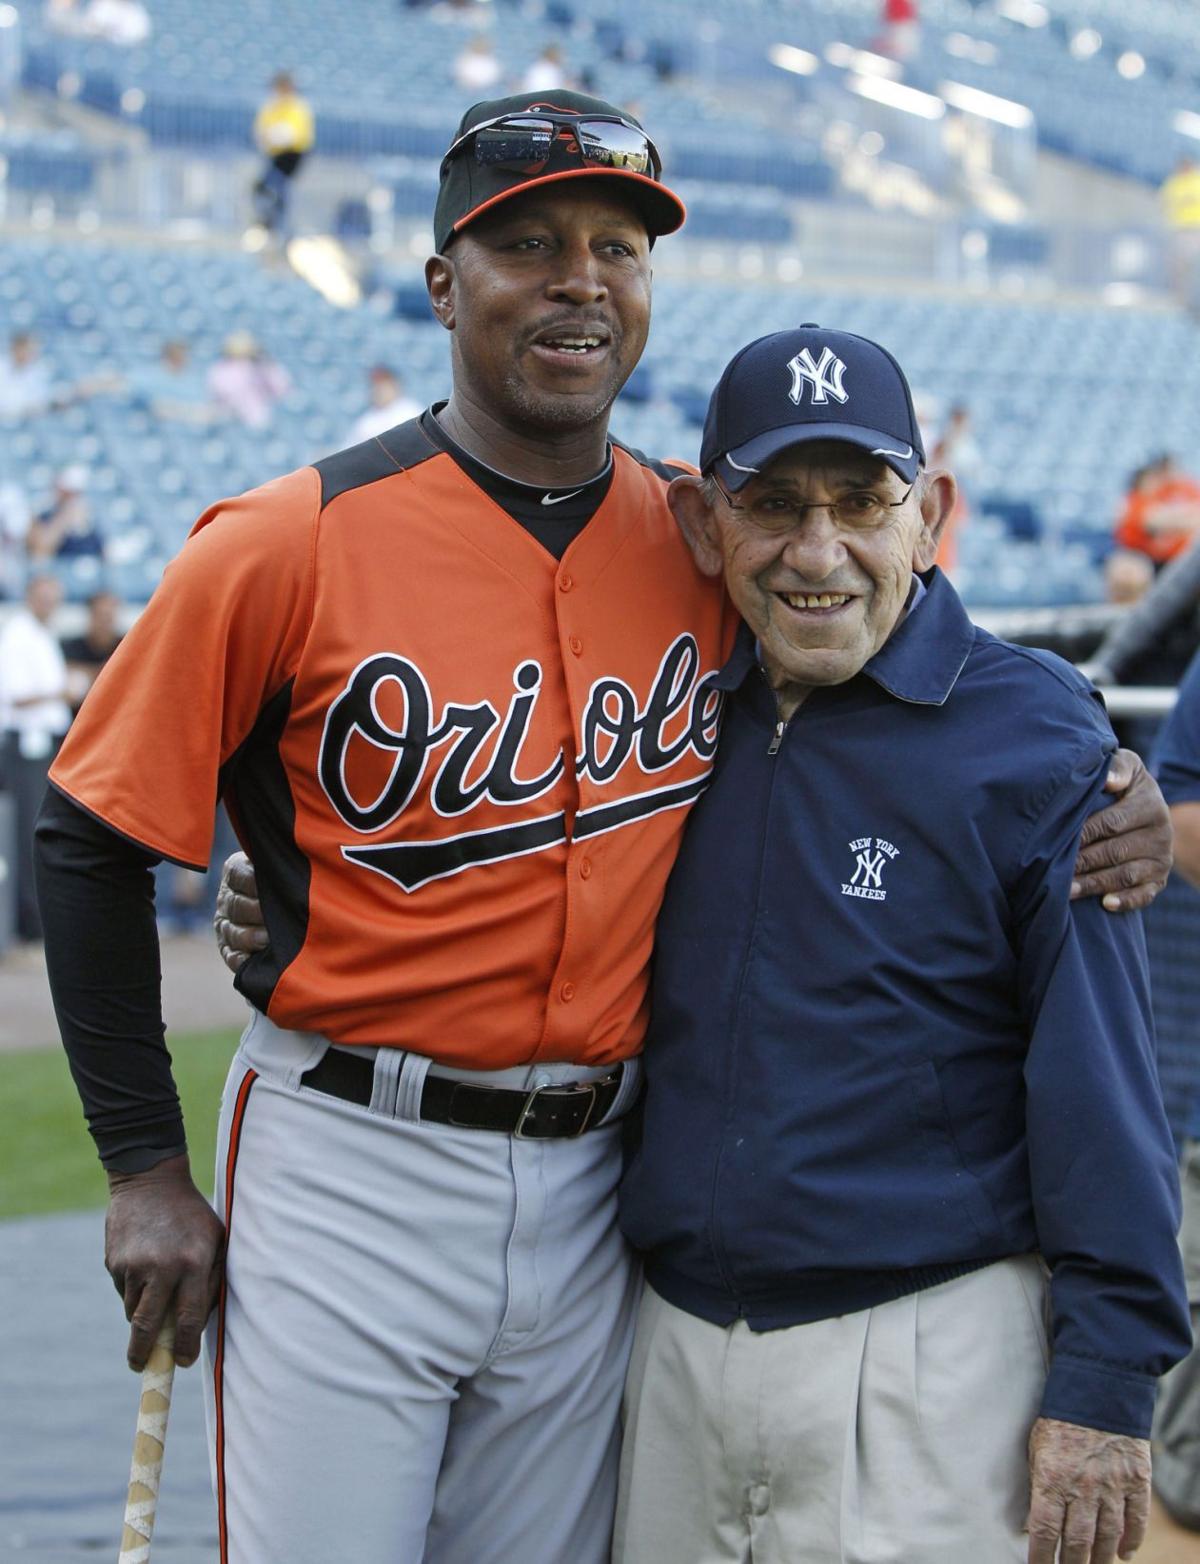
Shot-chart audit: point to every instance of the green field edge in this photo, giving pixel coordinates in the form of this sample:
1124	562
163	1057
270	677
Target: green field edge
48	1161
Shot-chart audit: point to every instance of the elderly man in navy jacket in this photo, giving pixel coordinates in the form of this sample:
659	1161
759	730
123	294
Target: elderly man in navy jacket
905	1188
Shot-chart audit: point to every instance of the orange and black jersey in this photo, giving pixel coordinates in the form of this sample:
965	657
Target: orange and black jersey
460	765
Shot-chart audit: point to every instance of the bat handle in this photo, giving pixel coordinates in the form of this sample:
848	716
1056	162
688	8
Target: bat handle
146	1467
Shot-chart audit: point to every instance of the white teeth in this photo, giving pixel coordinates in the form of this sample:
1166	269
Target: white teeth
816	599
574	344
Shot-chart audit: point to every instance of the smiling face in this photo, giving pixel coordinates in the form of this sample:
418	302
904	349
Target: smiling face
548	298
821	594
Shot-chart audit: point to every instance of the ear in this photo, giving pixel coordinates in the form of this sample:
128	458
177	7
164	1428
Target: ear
439	279
695	519
937	506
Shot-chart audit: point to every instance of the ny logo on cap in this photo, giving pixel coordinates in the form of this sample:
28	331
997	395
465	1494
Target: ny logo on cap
825	377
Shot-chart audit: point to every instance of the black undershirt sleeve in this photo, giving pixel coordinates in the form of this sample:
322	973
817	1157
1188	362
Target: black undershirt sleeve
97	900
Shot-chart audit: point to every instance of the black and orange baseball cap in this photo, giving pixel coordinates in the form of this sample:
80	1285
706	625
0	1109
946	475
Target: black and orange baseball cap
504	146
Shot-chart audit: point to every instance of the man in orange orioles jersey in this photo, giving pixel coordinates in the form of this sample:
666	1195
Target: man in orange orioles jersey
455	686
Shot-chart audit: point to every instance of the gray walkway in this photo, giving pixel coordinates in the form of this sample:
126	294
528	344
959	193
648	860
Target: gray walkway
198	993
68	1404
68	1407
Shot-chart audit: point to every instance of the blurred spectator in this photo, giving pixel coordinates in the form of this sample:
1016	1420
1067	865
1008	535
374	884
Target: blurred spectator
34	716
15	519
66	530
1127	577
1177	1417
174	388
28	387
26	384
548	71
955	447
64	16
901	29
246	383
1161	515
390	405
284	132
1155	640
125	22
1180	195
456	11
1177	766
86	654
476	67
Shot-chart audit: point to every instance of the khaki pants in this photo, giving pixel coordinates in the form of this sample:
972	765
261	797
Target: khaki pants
1177	1416
895	1434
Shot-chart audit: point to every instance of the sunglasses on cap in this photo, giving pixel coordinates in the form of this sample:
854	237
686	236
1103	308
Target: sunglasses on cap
522	143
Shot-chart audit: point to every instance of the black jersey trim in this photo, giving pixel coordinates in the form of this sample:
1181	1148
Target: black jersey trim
413	864
384	456
260	798
640	806
665	470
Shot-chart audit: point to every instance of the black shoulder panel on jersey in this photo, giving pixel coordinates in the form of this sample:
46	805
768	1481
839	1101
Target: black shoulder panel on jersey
665	470
256	786
404	446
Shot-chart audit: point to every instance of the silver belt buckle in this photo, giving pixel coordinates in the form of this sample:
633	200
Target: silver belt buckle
570	1089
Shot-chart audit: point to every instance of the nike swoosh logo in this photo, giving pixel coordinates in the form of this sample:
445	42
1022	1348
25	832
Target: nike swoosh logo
904	455
557	499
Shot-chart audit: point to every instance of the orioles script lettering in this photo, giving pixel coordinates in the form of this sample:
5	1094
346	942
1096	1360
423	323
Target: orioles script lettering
480	760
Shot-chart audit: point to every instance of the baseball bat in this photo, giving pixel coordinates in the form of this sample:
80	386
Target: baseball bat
146	1467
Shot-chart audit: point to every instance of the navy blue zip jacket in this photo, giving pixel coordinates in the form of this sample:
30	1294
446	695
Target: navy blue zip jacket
886	1048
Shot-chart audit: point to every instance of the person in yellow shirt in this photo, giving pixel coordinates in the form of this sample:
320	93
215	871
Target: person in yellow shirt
284	132
1180	196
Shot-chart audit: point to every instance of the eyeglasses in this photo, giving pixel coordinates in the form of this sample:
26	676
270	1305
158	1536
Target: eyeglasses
861	510
522	143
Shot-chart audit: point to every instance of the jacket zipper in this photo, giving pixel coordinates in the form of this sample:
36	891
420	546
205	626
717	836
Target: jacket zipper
781	727
781	722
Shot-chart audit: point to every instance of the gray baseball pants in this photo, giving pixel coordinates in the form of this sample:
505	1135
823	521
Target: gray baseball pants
421	1346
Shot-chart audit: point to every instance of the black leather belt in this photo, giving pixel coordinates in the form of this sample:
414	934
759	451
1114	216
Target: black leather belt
545	1113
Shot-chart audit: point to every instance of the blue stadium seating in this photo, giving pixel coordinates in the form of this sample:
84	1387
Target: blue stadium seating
1057	393
206	67
58	164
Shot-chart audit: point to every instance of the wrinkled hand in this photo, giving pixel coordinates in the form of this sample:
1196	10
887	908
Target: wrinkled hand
1089	1489
163	1246
1125	850
238	920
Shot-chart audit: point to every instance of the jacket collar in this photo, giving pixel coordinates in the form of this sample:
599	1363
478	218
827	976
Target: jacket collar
920	662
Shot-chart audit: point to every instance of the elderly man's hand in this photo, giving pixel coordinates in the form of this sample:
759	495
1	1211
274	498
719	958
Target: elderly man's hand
1125	851
1091	1490
238	919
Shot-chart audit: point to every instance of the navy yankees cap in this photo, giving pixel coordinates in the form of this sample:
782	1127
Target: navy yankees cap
809	384
506	145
